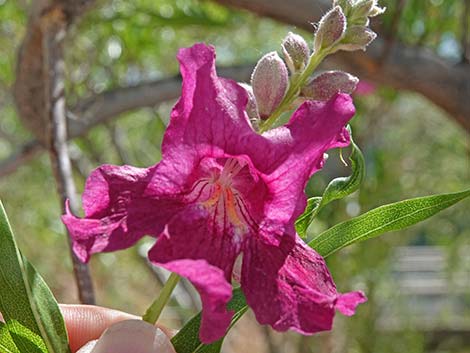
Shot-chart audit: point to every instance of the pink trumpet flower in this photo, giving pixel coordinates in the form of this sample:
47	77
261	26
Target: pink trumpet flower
222	190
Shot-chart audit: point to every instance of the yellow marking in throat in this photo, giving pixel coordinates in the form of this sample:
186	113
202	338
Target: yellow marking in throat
229	203
214	197
231	207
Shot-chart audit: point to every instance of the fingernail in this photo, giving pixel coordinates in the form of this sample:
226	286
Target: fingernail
134	336
87	348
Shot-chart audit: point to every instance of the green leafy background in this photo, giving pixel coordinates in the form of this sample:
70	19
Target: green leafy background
410	147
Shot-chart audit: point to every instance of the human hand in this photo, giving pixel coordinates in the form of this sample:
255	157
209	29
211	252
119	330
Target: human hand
118	332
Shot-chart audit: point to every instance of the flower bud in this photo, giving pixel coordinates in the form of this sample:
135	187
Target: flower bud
296	52
327	84
363	7
357	37
269	81
330	29
251	106
346	5
361	21
362	10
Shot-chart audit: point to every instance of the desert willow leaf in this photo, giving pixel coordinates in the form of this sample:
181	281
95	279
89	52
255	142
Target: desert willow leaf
27	304
383	219
6	342
15	337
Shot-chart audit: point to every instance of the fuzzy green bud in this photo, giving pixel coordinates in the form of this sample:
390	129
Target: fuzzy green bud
357	37
269	81
362	10
331	29
363	7
346	5
327	84
296	52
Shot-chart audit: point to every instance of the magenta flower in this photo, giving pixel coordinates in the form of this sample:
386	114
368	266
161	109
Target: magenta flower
222	190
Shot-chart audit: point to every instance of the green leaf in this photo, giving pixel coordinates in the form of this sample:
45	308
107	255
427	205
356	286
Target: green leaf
344	186
383	219
6	342
302	223
26	302
336	189
187	339
16	335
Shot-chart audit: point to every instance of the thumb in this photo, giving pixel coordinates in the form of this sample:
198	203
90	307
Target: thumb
134	336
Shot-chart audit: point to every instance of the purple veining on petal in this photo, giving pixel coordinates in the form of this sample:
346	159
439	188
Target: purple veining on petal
302	294
118	212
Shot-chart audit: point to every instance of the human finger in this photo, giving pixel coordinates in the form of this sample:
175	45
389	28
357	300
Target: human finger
87	322
134	336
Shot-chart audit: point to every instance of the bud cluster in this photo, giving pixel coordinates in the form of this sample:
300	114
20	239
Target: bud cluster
273	91
345	26
296	52
331	29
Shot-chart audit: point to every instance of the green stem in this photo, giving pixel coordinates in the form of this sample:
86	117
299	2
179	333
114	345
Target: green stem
153	312
294	89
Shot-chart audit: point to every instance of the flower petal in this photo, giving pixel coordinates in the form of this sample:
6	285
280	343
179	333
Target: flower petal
197	233
118	210
199	243
290	287
215	293
347	303
211	112
300	146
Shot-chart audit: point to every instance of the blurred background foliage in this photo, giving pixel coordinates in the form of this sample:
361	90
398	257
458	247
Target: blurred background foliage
411	149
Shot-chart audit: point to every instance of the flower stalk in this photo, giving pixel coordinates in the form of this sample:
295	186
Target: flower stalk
155	309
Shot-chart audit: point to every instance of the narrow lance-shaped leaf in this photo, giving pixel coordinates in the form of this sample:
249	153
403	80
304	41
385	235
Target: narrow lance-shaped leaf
27	304
383	219
336	189
391	217
6	342
14	337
